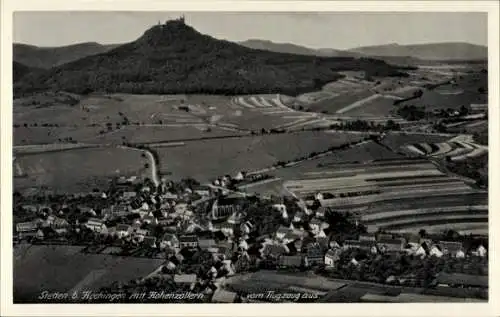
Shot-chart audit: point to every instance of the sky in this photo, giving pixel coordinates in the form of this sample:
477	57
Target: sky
338	30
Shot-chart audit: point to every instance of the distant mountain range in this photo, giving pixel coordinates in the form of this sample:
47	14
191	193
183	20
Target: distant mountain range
295	49
434	51
390	53
47	57
175	58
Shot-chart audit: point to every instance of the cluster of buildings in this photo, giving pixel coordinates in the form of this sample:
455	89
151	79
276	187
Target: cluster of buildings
221	228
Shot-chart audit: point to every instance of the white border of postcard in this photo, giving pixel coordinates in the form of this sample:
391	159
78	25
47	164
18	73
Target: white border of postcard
492	308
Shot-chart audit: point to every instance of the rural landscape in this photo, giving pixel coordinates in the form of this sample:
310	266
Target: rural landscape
183	168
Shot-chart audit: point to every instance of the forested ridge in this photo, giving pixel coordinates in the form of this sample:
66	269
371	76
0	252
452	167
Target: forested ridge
175	58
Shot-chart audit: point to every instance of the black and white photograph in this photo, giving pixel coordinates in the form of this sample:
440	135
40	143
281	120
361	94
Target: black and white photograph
193	157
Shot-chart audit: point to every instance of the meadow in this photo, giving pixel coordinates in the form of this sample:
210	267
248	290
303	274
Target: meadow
207	159
65	269
76	170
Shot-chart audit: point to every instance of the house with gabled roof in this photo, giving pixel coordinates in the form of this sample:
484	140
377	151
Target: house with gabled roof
149	241
292	261
123	230
332	256
451	247
367	237
96	225
480	251
357	244
169	240
315	254
391	245
26	229
274	250
188	241
150	220
139	234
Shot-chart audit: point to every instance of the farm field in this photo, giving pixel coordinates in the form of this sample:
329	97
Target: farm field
76	170
395	140
379	106
253	282
229	156
64	269
465	92
333	105
458	148
366	151
390	194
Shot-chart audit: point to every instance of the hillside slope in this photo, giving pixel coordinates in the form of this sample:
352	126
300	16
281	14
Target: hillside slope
47	57
175	58
20	70
435	51
295	49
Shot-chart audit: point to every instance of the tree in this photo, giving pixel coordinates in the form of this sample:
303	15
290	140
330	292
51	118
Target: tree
422	233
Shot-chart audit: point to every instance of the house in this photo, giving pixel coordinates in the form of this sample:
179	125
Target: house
202	190
139	234
188	241
150	220
123	230
96	225
225	227
291	235
59	223
315	254
282	232
206	244
281	208
169	240
357	244
26	229
334	245
292	261
170	196
30	208
39	234
321	212
315	224
274	250
149	241
185	279
223	296
298	244
224	252
128	195
460	254
391	245
367	237
120	210
480	251
416	249
323	242
384	236
435	251
332	256
224	208
450	247
235	218
246	227
299	216
243	245
461	280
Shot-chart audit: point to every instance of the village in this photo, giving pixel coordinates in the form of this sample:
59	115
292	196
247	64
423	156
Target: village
207	233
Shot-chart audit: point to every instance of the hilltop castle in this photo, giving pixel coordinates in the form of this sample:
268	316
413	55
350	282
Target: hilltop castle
181	20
